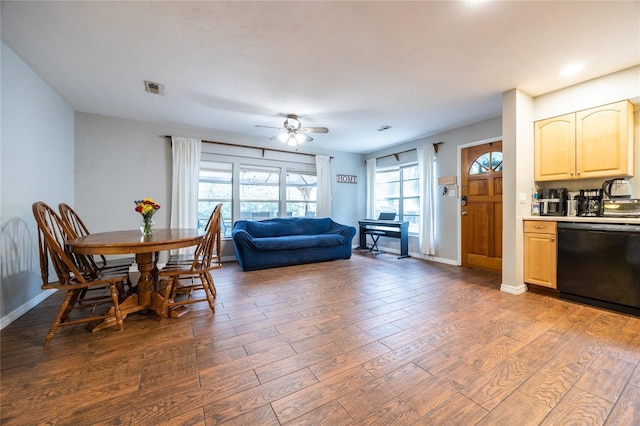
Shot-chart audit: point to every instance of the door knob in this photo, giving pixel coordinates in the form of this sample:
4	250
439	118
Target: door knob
463	213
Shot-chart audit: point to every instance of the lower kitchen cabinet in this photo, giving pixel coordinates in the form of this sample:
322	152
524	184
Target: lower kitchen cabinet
540	253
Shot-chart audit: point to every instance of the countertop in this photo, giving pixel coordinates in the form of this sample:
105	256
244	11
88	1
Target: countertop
624	220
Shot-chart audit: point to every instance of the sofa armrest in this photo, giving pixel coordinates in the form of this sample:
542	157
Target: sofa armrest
347	231
243	238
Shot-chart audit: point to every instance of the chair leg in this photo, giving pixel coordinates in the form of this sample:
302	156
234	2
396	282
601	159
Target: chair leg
164	312
63	312
206	286
116	306
212	285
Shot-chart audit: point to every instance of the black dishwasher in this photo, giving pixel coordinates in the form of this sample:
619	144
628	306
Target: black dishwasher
599	264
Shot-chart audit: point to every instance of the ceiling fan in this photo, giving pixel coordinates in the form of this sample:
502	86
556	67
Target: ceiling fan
292	132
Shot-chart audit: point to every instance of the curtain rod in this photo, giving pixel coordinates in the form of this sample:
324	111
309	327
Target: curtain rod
253	147
397	154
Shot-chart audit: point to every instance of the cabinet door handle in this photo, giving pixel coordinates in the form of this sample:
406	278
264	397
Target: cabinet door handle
553	240
539	226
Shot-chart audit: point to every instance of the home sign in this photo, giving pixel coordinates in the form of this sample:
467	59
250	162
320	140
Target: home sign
347	178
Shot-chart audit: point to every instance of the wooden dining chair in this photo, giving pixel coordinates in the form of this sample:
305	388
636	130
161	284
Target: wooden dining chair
185	274
75	228
52	235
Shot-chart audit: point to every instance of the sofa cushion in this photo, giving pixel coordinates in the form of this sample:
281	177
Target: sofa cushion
298	241
287	226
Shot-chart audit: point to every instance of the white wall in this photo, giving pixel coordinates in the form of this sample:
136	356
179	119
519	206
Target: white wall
611	88
515	126
519	111
119	161
36	165
447	213
517	178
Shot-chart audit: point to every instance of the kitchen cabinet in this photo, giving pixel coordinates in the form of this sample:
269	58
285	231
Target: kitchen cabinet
593	143
540	253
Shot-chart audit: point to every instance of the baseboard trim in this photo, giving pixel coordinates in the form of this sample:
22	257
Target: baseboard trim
21	310
395	251
451	262
514	289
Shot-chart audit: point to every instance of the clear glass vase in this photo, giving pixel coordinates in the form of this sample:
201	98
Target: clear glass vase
147	226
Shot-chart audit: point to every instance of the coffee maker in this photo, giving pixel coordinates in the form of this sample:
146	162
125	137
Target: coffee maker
589	202
553	201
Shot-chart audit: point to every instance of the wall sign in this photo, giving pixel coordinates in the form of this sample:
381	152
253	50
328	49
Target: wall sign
347	178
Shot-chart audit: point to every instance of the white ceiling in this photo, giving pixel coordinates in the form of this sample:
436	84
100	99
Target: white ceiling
352	66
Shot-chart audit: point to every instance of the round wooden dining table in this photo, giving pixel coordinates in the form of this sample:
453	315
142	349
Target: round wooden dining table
144	247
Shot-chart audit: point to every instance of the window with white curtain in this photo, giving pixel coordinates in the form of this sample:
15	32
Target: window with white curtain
254	191
398	190
216	186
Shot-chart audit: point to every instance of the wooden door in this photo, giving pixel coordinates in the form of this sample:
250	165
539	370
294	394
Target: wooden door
481	196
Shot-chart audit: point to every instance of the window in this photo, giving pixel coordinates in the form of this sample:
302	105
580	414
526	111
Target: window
485	162
398	190
216	186
259	192
301	194
255	189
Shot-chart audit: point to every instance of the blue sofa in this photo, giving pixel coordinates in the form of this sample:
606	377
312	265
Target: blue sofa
290	241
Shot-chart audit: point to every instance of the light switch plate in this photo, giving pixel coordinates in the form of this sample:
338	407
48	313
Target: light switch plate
523	197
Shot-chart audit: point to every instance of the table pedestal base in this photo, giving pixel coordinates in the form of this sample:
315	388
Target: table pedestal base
130	305
178	311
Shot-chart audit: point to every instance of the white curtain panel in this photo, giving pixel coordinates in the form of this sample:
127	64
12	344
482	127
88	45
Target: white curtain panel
184	186
427	236
323	170
371	188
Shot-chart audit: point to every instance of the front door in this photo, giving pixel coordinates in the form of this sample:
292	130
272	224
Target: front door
481	199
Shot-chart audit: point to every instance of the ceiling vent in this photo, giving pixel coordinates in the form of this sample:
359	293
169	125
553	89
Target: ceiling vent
155	88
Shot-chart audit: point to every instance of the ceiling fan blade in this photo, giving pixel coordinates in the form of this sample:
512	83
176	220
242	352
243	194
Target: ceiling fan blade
271	127
307	138
314	130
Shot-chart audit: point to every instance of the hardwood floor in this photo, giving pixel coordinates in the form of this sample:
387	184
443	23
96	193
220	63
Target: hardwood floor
368	341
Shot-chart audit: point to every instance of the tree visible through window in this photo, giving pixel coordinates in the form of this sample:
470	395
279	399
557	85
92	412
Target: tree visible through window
262	192
259	192
301	194
485	162
398	190
215	186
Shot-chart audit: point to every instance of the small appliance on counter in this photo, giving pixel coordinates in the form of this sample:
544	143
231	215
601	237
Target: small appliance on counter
572	204
623	207
553	201
589	202
616	188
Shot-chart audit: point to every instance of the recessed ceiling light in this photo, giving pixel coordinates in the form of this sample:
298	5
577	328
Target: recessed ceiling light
572	69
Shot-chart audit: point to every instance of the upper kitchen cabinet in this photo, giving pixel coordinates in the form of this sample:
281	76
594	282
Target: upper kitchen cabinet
594	143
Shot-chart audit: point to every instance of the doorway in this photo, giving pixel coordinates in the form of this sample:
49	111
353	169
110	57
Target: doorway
481	206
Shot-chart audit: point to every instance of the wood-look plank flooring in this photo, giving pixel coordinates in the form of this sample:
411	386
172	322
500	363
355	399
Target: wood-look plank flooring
373	340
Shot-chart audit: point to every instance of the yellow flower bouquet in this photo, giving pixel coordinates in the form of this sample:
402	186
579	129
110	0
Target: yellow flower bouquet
147	208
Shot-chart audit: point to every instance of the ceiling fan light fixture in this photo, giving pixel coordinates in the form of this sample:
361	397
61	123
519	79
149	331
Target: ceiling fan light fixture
293	141
293	133
300	138
291	123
